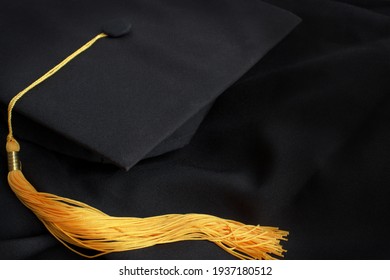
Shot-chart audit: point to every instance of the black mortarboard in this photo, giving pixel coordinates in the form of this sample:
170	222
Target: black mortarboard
134	97
141	95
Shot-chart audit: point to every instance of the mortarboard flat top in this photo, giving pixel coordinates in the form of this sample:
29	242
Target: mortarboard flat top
136	96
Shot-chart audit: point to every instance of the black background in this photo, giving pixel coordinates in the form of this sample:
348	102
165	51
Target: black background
301	141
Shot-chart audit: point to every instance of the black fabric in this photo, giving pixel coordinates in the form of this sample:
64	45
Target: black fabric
301	141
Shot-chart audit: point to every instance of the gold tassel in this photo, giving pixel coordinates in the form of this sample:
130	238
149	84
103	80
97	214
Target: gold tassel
76	224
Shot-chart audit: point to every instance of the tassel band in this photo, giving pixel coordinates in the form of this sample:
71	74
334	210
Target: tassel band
13	161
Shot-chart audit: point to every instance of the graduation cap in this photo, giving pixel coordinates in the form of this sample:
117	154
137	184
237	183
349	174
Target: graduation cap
135	95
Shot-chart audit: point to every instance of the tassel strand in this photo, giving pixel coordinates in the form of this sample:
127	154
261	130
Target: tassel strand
76	223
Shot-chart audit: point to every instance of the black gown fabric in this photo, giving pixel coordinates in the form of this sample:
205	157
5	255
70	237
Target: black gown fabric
268	112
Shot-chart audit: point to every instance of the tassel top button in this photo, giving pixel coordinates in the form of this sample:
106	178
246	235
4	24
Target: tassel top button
117	28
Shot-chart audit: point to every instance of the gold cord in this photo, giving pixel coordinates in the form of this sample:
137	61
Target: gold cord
50	73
